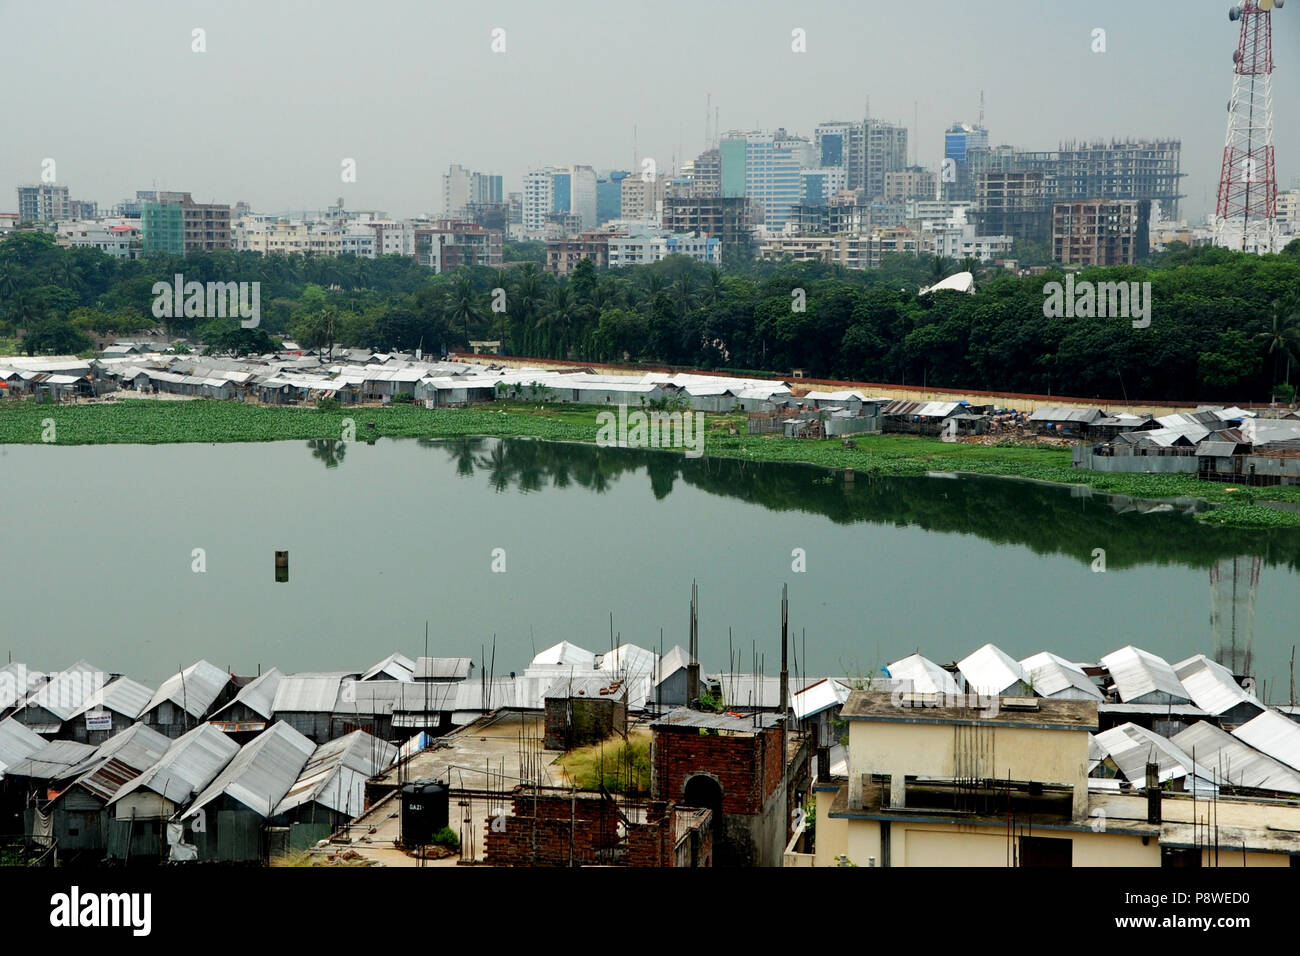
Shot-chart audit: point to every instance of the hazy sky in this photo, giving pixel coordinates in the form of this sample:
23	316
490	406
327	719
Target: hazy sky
287	90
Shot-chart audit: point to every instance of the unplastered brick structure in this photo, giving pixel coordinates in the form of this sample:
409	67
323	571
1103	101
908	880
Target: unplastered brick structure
732	765
551	827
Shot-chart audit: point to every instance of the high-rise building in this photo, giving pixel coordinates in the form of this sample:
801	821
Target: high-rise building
642	199
817	186
960	141
1101	232
772	163
729	219
706	174
461	187
562	190
886	151
45	202
914	182
1013	204
175	224
609	195
538	199
843	144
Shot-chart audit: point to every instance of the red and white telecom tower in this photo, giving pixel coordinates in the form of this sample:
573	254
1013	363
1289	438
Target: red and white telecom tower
1246	217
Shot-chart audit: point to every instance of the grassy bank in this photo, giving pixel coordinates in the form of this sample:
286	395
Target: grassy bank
146	421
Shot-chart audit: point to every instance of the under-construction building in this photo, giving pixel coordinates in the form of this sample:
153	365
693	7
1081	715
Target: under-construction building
1101	232
1133	170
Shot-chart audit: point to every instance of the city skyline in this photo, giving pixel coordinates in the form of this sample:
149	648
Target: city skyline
534	105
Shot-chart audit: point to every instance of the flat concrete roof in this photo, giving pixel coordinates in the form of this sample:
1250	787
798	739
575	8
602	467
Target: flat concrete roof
1043	713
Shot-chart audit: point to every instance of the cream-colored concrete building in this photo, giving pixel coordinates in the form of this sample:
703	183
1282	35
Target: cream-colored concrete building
1004	782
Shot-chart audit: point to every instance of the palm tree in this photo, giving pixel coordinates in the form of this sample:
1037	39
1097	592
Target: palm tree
714	287
939	266
684	294
1284	335
461	305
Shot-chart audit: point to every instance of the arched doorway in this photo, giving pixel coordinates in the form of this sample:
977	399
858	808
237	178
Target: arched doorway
702	790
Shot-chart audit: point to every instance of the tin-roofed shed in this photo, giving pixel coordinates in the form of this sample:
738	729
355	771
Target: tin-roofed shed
187	697
1129	748
1053	676
925	675
1235	763
190	764
243	795
990	670
1143	678
1213	689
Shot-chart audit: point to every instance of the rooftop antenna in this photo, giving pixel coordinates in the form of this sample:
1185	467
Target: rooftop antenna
981	123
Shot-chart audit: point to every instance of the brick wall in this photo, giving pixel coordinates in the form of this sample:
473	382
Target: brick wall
563	829
747	767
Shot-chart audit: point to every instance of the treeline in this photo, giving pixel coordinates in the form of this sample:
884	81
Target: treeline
1224	325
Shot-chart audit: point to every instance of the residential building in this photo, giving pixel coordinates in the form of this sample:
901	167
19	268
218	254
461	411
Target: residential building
174	223
461	187
914	182
642	249
565	253
643	198
448	244
45	202
119	238
885	146
1101	232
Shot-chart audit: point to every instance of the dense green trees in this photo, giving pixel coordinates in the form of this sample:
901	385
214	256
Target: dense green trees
1224	326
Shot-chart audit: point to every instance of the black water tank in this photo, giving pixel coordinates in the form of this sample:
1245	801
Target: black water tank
425	811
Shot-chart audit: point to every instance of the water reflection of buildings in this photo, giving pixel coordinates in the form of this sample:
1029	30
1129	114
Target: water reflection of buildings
1233	584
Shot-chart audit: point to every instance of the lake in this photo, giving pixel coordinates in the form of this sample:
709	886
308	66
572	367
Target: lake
99	560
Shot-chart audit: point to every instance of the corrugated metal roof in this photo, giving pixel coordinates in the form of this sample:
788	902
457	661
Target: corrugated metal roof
1235	762
262	772
258	695
369	697
1143	678
926	676
312	693
193	689
677	658
990	670
1056	413
1130	747
395	667
1212	686
124	696
191	763
629	660
822	695
1053	676
335	775
111	768
442	668
564	654
593	687
683	717
17	743
52	760
17	683
1273	734
64	693
138	745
